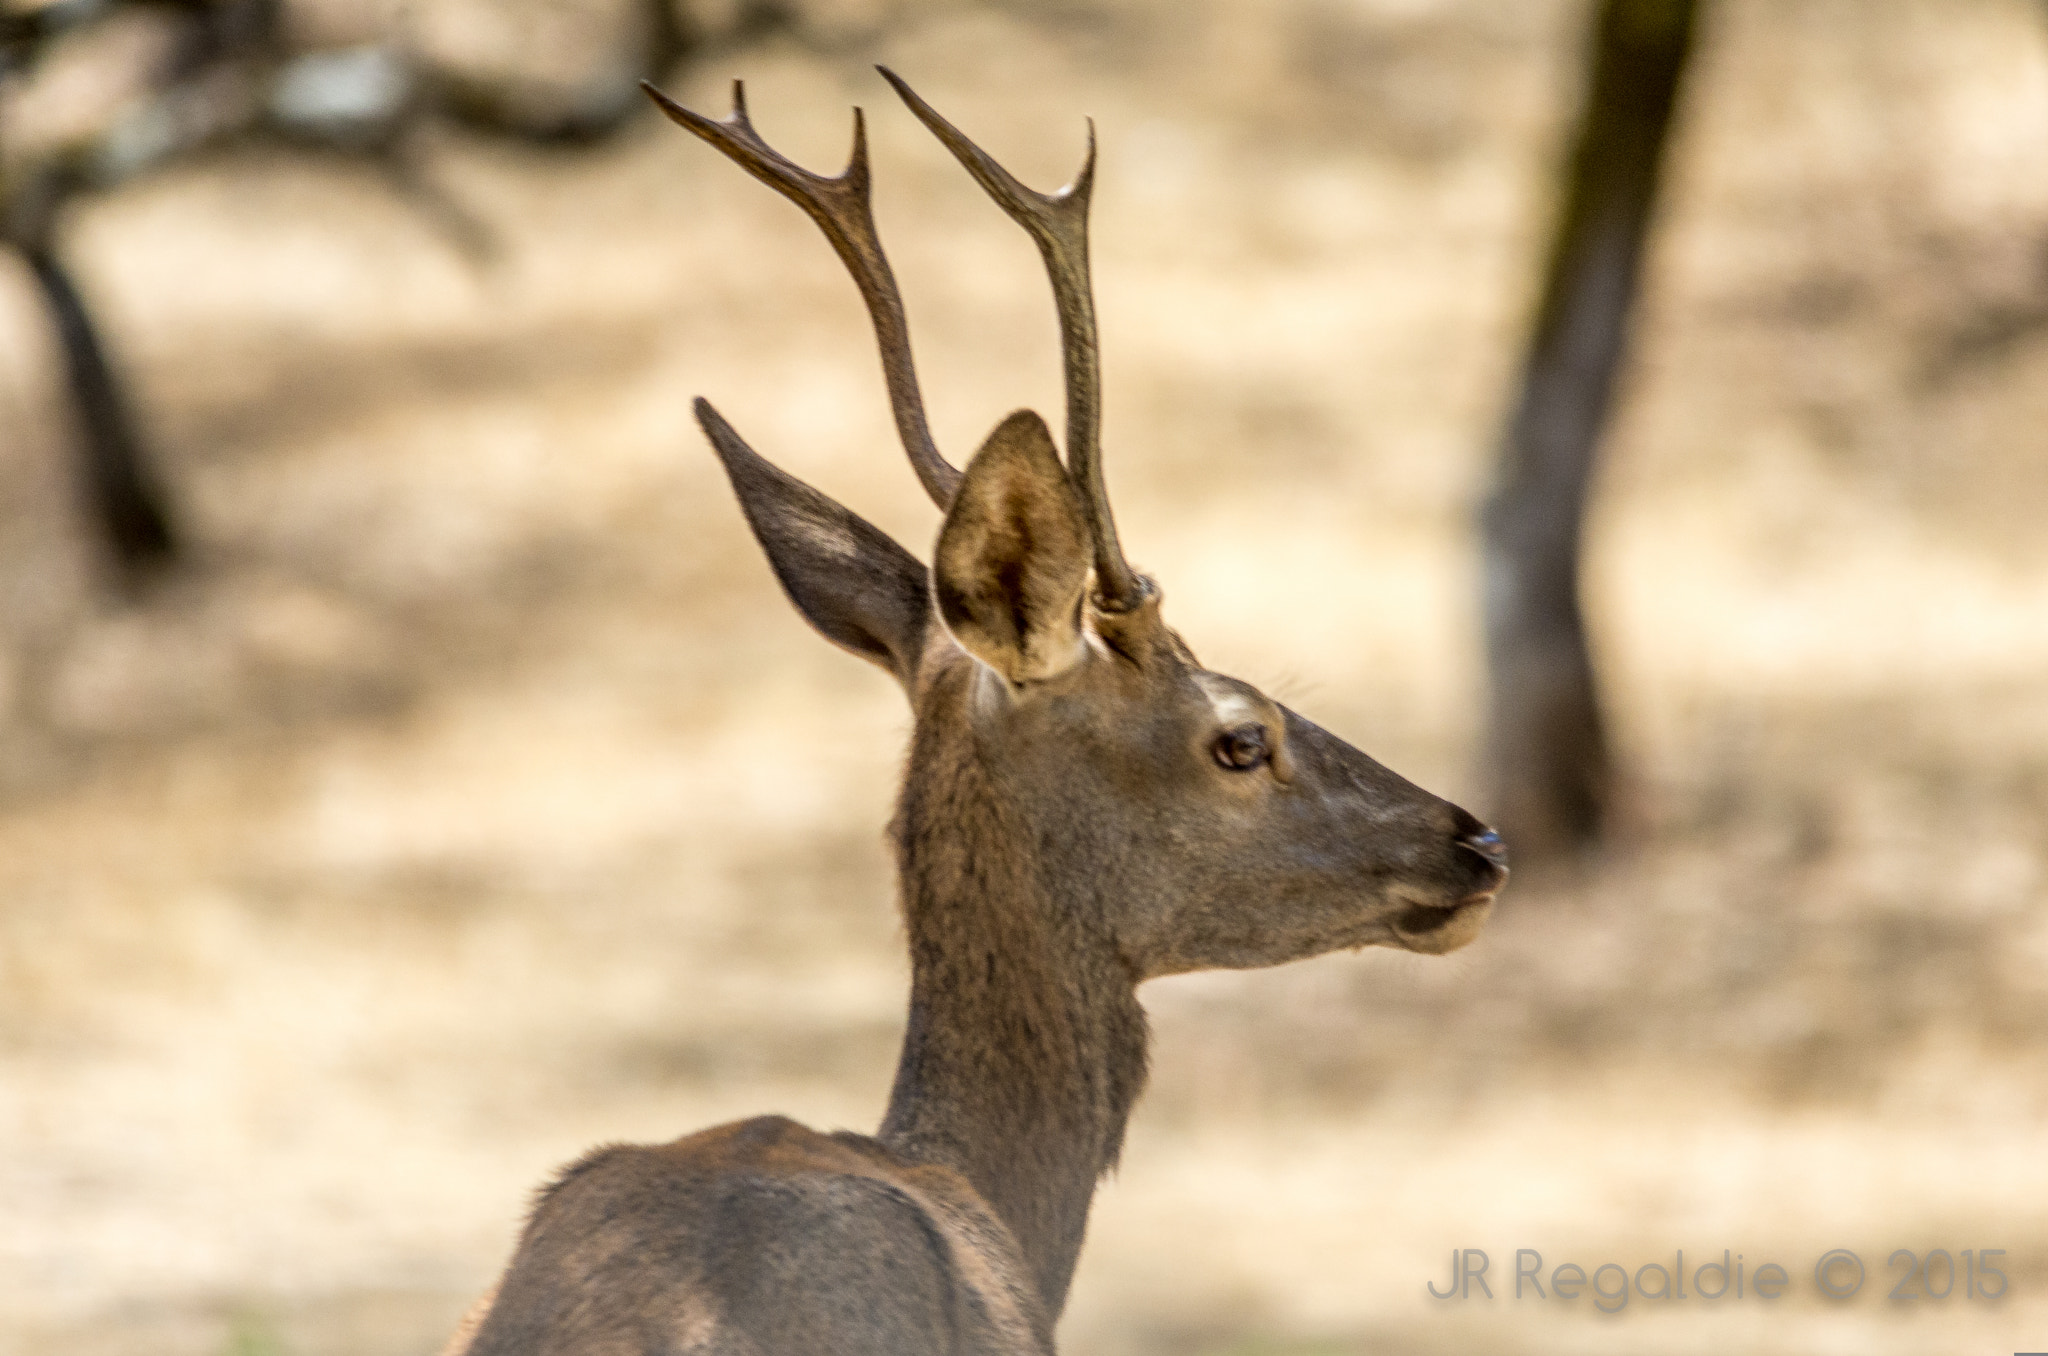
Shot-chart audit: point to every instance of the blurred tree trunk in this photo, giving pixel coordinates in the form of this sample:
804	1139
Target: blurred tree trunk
120	492
1547	751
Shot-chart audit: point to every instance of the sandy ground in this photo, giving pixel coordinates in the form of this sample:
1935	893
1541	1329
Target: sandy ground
476	798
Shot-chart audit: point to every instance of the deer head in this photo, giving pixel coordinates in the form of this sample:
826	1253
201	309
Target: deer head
1206	825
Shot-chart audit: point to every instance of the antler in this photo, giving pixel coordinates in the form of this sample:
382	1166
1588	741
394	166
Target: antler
1058	224
841	207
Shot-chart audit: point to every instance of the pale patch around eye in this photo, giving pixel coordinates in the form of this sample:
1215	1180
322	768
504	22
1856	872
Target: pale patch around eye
1232	707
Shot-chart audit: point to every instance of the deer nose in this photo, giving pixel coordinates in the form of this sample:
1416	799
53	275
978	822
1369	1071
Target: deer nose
1488	845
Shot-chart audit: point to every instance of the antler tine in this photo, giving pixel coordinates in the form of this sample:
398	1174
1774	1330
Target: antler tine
1058	224
842	208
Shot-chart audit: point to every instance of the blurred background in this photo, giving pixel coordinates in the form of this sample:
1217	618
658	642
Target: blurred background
442	786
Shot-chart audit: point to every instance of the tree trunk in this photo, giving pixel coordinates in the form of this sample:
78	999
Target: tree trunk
1547	750
119	491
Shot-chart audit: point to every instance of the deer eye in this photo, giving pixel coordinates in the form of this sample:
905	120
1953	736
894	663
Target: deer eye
1243	748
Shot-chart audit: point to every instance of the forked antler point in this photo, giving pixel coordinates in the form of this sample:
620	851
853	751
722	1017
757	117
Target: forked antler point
840	205
1058	224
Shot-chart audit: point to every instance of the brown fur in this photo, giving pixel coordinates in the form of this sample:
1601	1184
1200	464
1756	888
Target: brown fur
1084	808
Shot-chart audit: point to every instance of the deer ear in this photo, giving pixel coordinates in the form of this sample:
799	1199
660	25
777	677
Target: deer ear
857	587
1013	556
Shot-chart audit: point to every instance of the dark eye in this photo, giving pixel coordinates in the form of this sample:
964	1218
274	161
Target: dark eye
1242	749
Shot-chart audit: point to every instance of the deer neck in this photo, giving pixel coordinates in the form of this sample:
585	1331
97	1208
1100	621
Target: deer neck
1026	1046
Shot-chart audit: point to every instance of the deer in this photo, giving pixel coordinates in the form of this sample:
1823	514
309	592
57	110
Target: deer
1084	807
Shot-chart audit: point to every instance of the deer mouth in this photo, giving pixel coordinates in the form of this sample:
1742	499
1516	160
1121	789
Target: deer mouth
1432	930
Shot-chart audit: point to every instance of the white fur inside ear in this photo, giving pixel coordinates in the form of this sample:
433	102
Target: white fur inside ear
825	541
988	693
1050	653
1013	555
